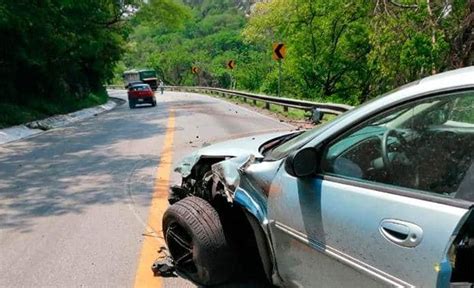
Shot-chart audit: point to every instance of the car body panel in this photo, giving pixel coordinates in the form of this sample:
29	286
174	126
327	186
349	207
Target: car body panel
254	187
321	214
327	231
141	92
230	148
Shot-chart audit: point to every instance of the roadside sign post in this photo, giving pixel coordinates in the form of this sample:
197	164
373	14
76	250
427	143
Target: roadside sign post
279	77
279	53
195	70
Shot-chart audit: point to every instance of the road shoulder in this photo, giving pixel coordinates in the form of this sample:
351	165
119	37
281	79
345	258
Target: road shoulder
33	128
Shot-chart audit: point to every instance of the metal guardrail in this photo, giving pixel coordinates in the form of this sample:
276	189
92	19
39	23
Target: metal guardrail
317	109
114	87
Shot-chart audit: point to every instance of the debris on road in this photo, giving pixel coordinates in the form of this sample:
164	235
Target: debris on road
164	267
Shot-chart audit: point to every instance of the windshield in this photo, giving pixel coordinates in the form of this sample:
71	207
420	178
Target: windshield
389	118
274	143
293	144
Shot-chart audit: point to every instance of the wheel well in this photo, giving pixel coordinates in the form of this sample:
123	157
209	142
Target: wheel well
263	247
246	234
241	228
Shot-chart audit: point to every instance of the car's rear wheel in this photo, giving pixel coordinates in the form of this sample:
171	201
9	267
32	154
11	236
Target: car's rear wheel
196	241
131	104
153	104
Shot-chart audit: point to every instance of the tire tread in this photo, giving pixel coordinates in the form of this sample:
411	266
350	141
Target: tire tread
208	237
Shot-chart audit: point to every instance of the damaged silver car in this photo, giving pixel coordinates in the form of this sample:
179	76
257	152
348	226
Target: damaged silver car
381	196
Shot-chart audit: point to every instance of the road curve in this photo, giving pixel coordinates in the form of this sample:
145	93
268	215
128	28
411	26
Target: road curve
75	201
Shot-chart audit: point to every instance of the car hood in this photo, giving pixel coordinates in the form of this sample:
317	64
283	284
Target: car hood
231	148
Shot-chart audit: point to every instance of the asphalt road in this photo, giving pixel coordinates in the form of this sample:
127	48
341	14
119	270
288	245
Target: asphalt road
75	201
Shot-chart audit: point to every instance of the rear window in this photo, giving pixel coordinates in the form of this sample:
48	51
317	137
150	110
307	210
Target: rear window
139	88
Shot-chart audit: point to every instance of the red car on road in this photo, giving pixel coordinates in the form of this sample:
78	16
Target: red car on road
140	94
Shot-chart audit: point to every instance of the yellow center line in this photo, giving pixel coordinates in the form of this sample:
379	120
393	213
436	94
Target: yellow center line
152	242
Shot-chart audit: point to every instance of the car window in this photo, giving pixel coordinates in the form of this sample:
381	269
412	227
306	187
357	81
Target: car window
427	145
139	88
295	143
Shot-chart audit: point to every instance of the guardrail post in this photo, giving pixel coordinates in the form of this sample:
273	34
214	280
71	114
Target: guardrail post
316	115
254	102
245	99
285	108
267	105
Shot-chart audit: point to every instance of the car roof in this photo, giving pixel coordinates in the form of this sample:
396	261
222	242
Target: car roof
451	80
458	78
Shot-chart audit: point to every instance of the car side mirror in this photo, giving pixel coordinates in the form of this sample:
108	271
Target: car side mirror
302	163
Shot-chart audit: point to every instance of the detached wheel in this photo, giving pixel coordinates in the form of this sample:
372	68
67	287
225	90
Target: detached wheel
196	241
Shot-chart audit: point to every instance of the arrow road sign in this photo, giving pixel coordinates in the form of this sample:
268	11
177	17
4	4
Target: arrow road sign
231	64
279	51
195	70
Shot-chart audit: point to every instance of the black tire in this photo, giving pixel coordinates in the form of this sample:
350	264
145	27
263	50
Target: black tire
131	104
153	104
201	251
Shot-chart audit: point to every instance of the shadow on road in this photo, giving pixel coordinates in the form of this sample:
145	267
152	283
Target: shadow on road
87	163
69	169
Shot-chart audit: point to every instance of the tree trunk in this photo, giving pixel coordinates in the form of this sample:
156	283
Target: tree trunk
433	35
462	51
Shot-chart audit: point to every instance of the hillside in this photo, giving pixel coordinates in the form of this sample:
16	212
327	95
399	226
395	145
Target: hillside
208	39
337	51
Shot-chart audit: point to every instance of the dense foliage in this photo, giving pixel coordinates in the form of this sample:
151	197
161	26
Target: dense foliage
55	55
209	37
347	51
57	48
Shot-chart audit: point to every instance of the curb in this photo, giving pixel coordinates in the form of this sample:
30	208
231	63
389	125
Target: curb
32	128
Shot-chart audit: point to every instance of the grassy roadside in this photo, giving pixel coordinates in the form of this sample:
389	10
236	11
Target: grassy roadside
14	114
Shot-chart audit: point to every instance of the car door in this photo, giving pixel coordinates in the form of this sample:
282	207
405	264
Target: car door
359	223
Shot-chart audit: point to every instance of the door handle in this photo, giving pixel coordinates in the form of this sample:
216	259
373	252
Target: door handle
402	233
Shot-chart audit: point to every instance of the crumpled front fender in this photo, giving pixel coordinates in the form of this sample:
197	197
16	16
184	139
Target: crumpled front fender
252	203
227	149
229	173
185	166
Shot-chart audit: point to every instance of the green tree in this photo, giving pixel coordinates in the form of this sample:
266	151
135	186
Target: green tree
345	51
412	39
351	51
209	37
327	46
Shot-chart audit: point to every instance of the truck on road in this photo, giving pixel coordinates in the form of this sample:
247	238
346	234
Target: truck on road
147	76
